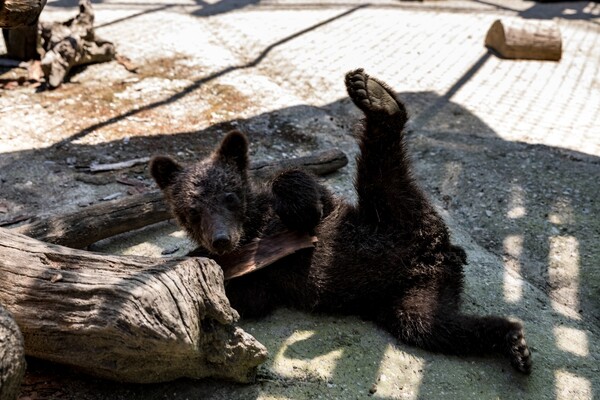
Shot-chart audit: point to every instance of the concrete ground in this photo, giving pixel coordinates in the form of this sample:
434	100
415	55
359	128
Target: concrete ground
508	150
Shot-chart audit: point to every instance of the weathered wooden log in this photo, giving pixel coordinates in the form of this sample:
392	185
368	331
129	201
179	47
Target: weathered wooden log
132	319
19	13
99	221
83	227
525	39
72	43
320	163
12	357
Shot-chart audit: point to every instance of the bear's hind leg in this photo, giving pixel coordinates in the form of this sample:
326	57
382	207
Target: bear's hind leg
422	323
375	98
387	192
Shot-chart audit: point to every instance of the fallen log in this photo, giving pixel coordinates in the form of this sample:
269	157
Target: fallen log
131	319
99	221
81	228
12	357
19	13
320	163
526	39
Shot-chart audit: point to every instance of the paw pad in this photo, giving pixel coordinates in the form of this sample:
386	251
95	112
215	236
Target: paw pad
371	95
518	351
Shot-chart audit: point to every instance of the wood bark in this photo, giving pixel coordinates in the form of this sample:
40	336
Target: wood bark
72	43
20	13
132	319
99	221
320	163
22	42
12	357
525	39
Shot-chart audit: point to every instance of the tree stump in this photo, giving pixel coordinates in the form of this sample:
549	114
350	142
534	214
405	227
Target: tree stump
22	43
12	357
20	13
19	20
131	319
527	39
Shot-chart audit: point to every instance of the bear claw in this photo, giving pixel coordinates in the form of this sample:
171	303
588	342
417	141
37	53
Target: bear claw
518	352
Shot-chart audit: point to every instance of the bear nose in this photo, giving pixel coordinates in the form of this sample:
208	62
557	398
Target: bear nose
221	242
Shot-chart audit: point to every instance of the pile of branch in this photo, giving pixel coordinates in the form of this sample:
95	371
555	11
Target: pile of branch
61	45
72	43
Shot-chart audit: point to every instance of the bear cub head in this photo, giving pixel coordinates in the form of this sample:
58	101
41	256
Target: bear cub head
209	198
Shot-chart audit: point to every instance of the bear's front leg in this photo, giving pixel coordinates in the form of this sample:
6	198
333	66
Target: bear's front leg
299	200
251	295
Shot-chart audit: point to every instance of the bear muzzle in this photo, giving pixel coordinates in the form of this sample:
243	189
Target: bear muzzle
221	242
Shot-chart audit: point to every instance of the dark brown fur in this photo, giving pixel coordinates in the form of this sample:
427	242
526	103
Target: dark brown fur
388	259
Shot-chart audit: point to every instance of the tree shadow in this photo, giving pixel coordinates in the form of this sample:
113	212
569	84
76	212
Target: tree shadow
69	3
570	10
574	10
209	9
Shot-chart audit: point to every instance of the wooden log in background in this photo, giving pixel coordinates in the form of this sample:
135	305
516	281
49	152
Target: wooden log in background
99	221
320	163
12	357
132	319
84	227
20	13
528	39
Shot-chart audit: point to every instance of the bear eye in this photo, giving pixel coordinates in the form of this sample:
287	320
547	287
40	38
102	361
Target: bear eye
231	201
194	214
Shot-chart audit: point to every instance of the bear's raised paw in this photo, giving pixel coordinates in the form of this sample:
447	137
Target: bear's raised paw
371	95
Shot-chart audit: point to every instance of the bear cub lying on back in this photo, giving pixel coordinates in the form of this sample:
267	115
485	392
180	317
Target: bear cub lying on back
388	258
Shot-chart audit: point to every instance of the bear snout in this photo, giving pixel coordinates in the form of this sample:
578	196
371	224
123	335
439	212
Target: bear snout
219	234
221	242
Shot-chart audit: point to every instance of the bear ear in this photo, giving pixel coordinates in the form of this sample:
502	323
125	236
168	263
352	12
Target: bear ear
163	170
234	147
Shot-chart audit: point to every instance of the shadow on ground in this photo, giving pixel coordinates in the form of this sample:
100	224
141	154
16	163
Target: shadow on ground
573	10
530	205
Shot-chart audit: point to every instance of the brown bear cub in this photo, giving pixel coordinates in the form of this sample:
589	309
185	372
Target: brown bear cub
388	258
